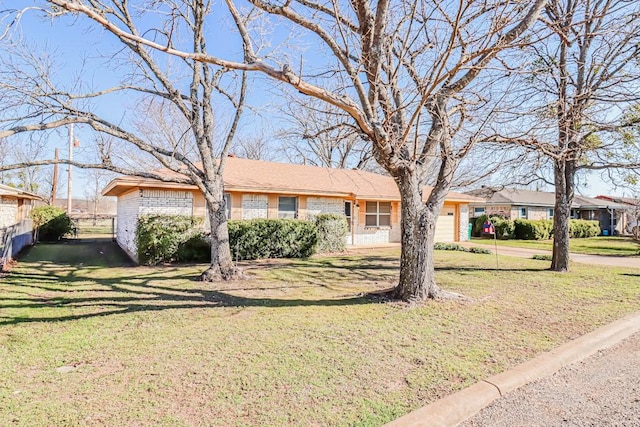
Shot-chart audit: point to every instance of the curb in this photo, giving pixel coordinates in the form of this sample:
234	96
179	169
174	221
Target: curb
456	408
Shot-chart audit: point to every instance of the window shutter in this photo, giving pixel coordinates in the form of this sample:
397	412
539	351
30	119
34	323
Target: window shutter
362	210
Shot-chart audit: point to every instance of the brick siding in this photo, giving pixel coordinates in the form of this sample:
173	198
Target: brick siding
254	206
463	229
324	205
8	211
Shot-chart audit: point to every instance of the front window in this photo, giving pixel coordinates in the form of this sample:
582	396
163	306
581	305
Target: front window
478	211
550	212
287	207
378	214
523	212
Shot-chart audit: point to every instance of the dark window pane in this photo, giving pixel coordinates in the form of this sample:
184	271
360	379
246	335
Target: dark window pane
384	220
371	221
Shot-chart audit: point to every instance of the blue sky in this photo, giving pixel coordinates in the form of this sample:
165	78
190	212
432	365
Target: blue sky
71	44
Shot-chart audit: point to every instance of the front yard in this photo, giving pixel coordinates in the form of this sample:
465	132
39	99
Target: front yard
607	246
299	343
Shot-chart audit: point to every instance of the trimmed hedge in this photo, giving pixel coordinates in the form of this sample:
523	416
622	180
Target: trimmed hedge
272	238
166	238
526	229
52	222
583	228
332	232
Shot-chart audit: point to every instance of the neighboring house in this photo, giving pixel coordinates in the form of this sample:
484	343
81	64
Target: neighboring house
15	225
260	189
527	204
630	218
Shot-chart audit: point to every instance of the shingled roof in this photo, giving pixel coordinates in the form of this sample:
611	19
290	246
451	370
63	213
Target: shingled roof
258	176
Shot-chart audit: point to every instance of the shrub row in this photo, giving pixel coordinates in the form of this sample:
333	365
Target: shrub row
272	238
167	238
541	229
456	247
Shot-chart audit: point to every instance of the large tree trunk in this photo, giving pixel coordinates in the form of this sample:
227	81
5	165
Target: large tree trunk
222	266
417	273
564	180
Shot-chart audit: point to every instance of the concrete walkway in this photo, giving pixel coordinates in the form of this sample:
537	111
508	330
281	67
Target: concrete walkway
611	261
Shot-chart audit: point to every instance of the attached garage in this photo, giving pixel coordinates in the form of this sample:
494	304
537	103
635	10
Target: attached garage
446	226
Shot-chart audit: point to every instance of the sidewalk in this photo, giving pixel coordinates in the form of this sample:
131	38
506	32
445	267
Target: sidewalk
611	261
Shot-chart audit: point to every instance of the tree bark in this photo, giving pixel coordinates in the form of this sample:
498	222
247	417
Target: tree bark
417	281
221	266
564	181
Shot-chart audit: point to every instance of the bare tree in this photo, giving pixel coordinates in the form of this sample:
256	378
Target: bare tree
578	101
96	179
190	86
320	134
407	72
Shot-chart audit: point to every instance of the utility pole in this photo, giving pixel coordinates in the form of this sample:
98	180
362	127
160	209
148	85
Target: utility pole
54	189
69	182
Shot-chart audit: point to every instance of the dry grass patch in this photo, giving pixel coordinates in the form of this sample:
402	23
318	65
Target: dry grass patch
299	343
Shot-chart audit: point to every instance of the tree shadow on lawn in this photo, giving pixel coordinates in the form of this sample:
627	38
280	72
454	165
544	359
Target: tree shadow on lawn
142	297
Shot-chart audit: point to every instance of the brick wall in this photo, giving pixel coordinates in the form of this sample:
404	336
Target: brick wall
254	206
127	220
8	211
324	205
166	202
463	229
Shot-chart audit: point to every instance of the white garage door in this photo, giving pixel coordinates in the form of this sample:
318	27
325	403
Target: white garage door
445	228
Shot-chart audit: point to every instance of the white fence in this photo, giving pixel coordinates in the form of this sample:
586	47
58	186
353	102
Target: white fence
13	239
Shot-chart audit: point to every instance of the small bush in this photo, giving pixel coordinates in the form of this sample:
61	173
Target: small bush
542	257
332	232
580	228
166	238
475	250
272	238
438	246
52	222
505	228
476	231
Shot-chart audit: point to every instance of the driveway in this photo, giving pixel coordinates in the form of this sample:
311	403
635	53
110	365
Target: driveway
611	261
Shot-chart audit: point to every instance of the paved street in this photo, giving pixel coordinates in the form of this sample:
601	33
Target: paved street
603	390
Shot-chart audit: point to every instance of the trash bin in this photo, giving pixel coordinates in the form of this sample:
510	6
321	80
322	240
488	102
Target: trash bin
605	232
469	230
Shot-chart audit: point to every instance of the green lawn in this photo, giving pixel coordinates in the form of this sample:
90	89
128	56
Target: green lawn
299	343
608	246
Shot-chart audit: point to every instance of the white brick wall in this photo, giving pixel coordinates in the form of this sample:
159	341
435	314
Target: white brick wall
127	220
166	202
463	230
323	205
8	211
254	206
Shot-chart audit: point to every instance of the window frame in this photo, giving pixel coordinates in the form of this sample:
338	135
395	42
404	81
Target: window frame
523	213
377	214
478	211
227	205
